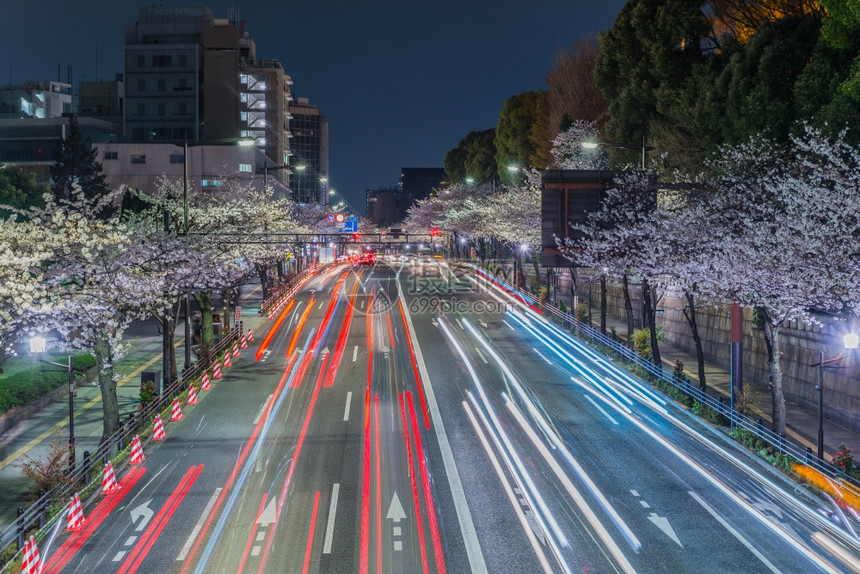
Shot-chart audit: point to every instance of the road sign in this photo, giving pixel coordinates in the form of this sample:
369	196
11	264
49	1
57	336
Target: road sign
350	225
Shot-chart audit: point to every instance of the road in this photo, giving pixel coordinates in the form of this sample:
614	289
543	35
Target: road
407	417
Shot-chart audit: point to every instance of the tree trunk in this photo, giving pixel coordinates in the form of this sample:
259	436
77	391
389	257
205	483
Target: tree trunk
628	309
264	280
107	386
652	324
204	300
536	266
602	304
771	337
694	329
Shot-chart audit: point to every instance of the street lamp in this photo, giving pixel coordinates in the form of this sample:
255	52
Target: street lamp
37	346
594	145
267	169
849	341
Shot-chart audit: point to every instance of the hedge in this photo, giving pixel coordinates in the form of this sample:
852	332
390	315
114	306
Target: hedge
24	387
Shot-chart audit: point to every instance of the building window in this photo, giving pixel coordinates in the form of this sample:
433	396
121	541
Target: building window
162	85
110	155
183	108
138	158
141	61
245	167
177	158
210	182
183	60
141	85
141	109
161	61
162	109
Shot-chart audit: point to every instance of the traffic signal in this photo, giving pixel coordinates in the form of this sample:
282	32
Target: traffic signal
356	236
434	232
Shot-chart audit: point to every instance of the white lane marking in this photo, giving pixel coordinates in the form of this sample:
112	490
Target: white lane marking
483	358
262	410
634	493
541	356
509	326
346	408
332	509
644	504
355	354
577	497
464	515
518	509
733	532
320	306
186	548
460	323
662	523
598	407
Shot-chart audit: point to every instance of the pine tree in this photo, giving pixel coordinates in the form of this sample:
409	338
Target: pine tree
76	164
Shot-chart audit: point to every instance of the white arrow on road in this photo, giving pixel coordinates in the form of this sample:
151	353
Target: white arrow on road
324	352
144	512
268	515
395	510
662	523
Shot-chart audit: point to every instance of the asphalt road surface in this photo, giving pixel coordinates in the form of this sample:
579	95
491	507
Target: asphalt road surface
409	417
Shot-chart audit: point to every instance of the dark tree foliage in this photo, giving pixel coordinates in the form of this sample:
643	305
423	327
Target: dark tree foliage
20	190
750	87
76	164
474	156
522	138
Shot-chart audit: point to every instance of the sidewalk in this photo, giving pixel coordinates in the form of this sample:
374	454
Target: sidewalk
801	422
32	435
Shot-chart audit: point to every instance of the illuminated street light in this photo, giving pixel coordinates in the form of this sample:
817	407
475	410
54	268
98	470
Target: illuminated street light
37	347
849	341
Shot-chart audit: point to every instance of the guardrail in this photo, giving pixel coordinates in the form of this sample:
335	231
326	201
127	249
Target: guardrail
284	292
82	479
778	443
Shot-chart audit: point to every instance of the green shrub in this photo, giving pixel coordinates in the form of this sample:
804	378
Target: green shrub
582	312
24	387
642	343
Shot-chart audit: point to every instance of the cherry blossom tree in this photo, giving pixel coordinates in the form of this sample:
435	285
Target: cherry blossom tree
569	153
781	225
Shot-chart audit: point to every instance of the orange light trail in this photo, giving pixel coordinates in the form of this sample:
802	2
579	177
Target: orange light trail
299	327
274	329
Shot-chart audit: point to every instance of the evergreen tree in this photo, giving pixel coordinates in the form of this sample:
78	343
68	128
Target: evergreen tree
76	165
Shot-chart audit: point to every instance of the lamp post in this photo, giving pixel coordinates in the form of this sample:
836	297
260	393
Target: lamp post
267	169
849	341
37	346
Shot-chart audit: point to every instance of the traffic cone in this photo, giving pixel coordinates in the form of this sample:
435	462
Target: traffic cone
76	513
136	451
204	382
227	361
216	370
158	431
244	344
109	483
175	411
235	348
192	396
31	563
250	336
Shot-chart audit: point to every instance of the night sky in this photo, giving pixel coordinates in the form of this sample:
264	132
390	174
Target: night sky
400	83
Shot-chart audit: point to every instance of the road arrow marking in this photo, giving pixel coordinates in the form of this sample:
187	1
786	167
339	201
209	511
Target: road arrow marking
395	510
662	523
325	352
144	512
268	515
396	513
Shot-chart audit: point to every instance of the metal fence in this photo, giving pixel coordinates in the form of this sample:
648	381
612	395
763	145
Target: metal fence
82	478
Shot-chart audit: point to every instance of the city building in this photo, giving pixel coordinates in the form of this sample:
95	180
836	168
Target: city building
37	99
102	100
28	144
388	206
191	76
141	165
309	130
